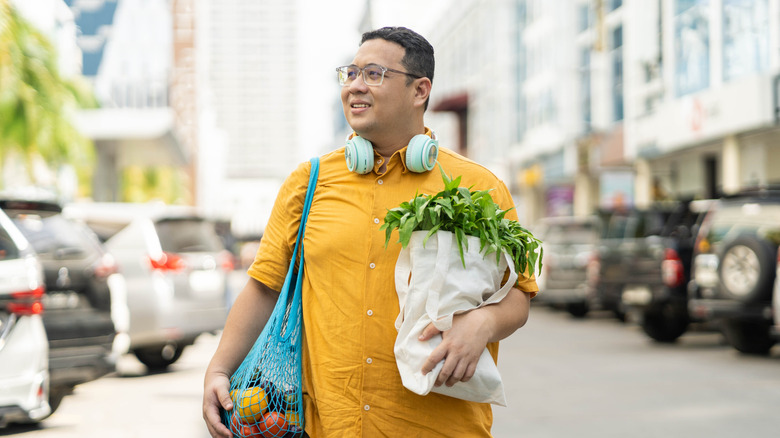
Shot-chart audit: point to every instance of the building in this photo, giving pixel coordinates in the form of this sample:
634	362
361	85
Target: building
476	108
648	101
247	82
143	120
703	120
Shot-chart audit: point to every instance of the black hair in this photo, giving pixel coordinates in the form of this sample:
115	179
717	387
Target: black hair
418	57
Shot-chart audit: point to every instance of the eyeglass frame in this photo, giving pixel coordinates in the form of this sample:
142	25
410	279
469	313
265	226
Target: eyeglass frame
362	71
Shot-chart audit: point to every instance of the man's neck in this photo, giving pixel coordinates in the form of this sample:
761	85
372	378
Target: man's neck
387	145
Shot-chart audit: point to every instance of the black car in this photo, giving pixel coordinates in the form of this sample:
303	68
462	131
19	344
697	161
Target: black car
77	302
657	290
642	266
734	271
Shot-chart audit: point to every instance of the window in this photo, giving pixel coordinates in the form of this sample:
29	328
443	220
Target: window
745	37
616	56
691	46
585	89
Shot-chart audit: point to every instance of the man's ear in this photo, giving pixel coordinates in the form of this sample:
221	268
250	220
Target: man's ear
422	90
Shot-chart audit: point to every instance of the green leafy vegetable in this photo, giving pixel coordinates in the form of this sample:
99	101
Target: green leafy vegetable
465	213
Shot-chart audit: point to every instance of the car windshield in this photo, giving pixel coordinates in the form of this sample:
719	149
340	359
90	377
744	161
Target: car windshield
8	249
573	233
55	236
188	235
756	219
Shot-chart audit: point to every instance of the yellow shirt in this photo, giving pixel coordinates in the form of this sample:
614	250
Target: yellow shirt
352	387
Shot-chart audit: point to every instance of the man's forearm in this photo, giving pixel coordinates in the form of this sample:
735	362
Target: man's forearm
508	315
246	320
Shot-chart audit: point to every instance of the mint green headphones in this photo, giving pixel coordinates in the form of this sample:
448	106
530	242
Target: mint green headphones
421	153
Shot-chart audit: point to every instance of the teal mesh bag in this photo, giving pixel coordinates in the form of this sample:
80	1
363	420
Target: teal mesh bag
266	388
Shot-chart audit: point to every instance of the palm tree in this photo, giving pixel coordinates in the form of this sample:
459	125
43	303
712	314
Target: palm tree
36	103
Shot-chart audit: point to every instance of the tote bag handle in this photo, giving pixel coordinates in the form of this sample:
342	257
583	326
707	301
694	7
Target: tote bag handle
295	305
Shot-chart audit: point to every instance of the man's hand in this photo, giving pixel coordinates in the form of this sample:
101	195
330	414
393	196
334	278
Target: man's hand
461	347
215	395
463	344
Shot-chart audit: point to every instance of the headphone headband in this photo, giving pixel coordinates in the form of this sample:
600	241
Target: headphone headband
421	153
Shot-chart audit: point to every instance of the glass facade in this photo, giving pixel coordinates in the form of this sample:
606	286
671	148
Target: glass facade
745	37
616	56
691	46
585	89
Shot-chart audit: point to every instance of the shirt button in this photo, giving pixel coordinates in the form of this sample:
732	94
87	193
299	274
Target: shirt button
366	407
370	312
376	220
369	360
380	182
372	266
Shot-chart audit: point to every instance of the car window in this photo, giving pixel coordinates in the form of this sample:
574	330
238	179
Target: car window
762	220
188	235
571	233
55	236
8	249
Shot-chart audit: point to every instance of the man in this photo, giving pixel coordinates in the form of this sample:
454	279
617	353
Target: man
351	382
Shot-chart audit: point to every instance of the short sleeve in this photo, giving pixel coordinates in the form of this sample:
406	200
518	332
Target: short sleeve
278	241
502	197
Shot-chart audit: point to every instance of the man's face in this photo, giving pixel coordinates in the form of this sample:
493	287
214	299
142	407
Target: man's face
371	111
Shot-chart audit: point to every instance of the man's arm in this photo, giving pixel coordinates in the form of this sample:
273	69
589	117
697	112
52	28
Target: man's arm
246	320
462	345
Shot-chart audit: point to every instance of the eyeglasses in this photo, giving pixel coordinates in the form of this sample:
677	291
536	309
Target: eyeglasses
373	74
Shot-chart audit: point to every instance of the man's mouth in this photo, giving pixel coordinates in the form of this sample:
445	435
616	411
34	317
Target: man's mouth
360	105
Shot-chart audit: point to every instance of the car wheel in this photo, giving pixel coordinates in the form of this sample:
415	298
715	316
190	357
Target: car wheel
665	324
747	270
56	394
160	357
578	310
749	337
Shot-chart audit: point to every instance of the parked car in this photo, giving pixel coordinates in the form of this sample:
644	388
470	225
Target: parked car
78	319
176	269
659	270
735	267
24	348
569	243
641	263
776	300
628	236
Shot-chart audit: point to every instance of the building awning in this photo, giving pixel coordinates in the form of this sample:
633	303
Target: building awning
455	102
143	137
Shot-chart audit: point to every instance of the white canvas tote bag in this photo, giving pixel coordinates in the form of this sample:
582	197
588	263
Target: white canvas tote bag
433	286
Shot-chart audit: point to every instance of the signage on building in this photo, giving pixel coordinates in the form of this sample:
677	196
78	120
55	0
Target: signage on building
616	189
736	107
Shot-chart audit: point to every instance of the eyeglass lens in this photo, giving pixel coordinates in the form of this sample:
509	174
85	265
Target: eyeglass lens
372	74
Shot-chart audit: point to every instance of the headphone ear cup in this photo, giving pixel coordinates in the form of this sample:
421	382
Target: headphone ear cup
359	154
421	154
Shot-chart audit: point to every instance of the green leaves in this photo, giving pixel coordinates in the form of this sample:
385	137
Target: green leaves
465	213
36	103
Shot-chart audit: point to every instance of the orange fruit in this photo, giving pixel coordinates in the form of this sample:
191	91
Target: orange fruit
273	424
251	403
292	418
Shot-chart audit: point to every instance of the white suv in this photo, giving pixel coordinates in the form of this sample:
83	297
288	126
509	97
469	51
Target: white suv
176	270
24	348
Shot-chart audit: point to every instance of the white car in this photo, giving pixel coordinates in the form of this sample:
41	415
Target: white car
24	347
175	269
776	298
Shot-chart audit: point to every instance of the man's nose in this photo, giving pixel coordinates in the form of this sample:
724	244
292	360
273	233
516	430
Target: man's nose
358	85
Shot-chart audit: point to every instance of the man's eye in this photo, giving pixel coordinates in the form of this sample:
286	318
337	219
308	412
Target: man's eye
352	74
374	74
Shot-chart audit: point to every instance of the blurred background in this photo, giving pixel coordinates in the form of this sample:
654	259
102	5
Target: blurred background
576	104
142	144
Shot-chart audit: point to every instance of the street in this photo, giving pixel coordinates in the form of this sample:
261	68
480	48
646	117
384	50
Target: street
563	377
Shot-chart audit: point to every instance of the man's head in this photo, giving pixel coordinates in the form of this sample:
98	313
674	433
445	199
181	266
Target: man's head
386	87
418	59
